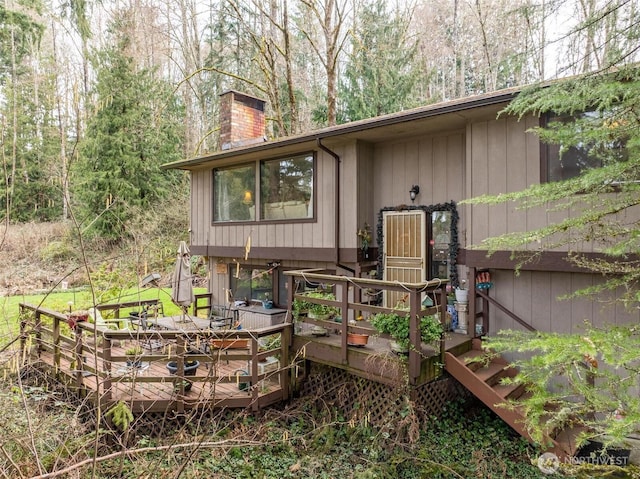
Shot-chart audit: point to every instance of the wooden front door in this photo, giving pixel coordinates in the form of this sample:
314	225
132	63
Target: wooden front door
405	250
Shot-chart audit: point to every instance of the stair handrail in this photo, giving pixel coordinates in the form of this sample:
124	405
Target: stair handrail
508	312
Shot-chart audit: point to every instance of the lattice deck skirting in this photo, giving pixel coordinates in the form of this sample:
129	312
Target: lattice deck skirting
379	404
400	410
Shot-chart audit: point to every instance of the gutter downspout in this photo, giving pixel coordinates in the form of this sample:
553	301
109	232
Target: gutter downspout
337	199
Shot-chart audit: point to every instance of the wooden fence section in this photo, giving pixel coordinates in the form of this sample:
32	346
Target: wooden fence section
250	371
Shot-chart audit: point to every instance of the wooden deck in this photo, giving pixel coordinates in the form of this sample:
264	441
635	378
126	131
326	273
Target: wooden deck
376	361
219	382
91	360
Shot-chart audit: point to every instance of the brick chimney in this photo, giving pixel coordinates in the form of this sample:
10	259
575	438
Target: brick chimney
241	120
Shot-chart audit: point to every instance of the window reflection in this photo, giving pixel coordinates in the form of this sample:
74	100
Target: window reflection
440	243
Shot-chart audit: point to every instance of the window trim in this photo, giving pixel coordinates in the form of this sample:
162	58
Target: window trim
258	193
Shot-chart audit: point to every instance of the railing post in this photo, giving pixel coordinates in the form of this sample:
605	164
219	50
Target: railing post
485	315
78	356
471	314
180	351
23	327
255	388
344	312
56	343
443	316
38	327
291	290
285	371
415	342
106	366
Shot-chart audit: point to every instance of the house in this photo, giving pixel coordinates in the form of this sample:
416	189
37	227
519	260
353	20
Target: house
259	208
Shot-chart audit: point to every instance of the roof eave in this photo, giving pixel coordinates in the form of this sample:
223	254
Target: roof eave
503	96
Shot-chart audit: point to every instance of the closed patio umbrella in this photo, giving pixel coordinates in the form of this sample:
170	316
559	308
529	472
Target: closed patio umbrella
182	286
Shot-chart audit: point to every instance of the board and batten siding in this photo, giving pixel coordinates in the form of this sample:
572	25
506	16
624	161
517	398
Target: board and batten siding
434	163
536	297
502	156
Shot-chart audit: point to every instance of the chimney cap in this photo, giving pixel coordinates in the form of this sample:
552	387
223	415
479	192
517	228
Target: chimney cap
238	93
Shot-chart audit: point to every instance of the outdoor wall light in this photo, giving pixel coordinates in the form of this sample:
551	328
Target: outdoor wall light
413	192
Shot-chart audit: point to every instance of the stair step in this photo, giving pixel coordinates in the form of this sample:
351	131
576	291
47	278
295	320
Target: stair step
492	373
473	367
473	359
509	391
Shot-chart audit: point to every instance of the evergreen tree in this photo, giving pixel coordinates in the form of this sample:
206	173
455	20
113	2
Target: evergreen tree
382	73
133	130
36	191
591	377
25	192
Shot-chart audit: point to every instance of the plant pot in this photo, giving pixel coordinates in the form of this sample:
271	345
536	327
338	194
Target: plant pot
190	367
232	343
187	386
357	339
462	295
313	315
77	317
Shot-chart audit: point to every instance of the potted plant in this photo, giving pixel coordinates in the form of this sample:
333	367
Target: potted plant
321	311
133	356
190	367
357	339
300	308
397	326
462	295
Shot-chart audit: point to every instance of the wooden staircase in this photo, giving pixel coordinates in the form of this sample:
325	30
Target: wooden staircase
482	377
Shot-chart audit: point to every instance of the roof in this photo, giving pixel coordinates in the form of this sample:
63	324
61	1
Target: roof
432	111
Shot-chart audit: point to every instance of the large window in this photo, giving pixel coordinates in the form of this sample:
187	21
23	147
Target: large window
251	284
234	190
561	162
284	190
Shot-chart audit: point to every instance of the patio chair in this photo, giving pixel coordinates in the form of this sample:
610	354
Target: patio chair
141	322
115	324
221	317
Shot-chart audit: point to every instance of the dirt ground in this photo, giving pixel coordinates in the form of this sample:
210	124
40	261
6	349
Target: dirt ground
36	257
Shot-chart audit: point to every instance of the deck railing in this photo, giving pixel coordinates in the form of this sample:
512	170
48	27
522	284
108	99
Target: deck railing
351	310
88	356
115	309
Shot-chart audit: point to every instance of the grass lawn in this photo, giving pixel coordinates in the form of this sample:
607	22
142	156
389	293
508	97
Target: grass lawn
64	301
